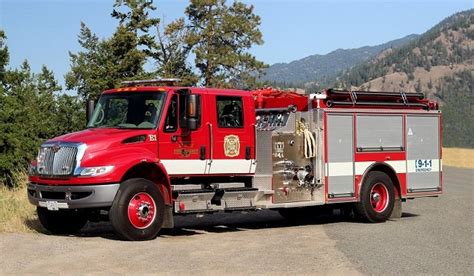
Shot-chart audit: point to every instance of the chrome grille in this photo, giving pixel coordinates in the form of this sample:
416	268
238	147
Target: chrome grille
56	160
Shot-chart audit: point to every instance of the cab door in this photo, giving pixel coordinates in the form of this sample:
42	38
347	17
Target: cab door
183	152
232	133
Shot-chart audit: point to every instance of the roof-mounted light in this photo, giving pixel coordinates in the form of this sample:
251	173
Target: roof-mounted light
157	82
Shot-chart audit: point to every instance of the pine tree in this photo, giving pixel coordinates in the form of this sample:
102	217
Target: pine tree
30	113
104	63
220	36
171	53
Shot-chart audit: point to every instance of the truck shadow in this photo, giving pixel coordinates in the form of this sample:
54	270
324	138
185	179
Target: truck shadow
219	223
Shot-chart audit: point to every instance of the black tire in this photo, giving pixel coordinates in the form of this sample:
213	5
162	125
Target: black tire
147	206
62	221
377	198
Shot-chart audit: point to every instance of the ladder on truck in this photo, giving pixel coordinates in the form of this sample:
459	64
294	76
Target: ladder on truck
345	98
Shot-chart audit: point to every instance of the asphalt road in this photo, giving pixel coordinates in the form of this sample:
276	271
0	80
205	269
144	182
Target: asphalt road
434	236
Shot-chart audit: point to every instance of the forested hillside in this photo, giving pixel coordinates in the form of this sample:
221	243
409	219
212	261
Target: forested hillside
315	69
31	111
422	64
439	63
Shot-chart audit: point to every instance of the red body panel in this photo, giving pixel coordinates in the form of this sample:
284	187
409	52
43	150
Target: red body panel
105	146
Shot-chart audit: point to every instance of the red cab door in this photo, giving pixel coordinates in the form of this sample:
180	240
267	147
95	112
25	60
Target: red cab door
184	152
232	133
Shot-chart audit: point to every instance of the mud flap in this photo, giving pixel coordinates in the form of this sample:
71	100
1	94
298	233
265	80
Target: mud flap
168	219
397	209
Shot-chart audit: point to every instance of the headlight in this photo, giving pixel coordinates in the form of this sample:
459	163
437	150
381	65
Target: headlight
96	171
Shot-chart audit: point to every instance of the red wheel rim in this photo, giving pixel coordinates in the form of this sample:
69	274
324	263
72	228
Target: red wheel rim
141	210
379	197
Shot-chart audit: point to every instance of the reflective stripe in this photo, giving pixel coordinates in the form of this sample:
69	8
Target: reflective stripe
232	166
340	168
217	166
345	168
399	166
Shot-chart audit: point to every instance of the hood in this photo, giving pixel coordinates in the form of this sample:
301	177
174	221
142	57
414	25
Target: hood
101	138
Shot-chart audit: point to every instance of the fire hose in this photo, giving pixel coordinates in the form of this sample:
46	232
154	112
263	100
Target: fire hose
309	143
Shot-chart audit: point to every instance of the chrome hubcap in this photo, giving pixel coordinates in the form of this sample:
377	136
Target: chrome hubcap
144	210
376	197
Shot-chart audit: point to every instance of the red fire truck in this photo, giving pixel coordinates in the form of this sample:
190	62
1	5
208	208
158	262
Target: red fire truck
151	152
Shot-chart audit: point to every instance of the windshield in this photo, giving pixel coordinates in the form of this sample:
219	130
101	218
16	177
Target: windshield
128	110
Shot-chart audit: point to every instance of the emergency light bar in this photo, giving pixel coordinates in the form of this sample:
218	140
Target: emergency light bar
165	81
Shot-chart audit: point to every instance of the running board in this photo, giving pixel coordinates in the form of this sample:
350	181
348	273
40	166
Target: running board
211	201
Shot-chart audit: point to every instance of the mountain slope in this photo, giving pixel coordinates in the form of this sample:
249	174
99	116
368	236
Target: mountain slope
439	63
423	64
317	67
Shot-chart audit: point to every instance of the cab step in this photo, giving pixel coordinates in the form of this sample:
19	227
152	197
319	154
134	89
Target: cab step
229	199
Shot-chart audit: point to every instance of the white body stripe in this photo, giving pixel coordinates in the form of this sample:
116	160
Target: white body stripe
185	166
345	168
217	166
399	166
340	168
230	166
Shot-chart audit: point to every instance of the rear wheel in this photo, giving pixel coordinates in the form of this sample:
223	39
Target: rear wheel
62	221
138	210
377	197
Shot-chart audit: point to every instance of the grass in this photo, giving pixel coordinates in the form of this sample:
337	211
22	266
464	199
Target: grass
457	157
16	212
18	215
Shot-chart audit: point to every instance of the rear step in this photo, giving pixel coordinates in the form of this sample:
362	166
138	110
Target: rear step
230	199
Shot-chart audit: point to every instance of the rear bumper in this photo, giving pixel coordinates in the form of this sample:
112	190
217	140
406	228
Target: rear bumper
73	197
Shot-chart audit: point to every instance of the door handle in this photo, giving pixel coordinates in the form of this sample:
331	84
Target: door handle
211	141
202	153
247	153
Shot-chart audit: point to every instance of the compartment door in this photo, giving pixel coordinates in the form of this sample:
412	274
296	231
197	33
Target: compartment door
340	163
423	156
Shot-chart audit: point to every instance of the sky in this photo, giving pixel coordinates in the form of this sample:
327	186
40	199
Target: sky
43	31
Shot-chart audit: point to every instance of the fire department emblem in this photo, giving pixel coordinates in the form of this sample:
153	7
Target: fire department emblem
231	145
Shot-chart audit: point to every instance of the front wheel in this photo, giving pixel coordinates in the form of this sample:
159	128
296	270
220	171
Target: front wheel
138	210
62	221
377	197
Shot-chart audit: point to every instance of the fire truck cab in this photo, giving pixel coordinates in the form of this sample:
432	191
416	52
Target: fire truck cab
151	152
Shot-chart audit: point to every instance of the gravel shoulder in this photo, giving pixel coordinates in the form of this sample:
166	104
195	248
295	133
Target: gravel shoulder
434	236
259	243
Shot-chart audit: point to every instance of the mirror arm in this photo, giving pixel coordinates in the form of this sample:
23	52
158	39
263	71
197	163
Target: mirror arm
174	138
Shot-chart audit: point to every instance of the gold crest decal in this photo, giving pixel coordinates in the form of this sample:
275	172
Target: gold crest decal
231	145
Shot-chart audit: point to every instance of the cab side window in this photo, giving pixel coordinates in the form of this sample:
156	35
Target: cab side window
171	121
229	112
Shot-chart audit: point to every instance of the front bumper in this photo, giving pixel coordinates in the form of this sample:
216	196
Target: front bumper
72	197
